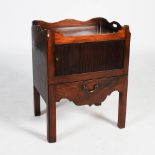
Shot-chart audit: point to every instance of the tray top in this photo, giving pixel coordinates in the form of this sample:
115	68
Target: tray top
70	30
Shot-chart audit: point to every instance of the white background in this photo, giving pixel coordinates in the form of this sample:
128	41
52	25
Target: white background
80	130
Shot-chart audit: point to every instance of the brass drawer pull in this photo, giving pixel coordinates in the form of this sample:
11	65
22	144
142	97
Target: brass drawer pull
90	91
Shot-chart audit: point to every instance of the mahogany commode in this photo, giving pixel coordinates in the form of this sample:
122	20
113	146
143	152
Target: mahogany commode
83	61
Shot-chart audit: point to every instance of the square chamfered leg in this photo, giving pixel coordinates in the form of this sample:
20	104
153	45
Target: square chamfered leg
36	97
122	104
51	115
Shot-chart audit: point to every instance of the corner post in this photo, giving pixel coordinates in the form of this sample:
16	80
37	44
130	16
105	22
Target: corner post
51	104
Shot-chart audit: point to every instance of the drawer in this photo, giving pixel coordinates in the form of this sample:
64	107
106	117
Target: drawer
90	91
89	57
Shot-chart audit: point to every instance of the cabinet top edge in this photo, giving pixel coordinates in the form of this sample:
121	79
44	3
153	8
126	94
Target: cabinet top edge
98	21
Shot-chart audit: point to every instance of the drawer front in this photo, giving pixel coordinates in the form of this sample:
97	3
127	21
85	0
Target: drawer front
89	57
89	92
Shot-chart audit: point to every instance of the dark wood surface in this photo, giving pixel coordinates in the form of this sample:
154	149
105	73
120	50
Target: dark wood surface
39	57
83	61
51	114
89	92
89	57
122	103
36	102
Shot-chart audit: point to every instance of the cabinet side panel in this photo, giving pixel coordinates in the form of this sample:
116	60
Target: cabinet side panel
39	58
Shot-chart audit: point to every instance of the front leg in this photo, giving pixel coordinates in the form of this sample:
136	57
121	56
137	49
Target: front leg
122	104
51	115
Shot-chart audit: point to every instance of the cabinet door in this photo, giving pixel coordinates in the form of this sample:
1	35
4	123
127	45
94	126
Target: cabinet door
89	57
